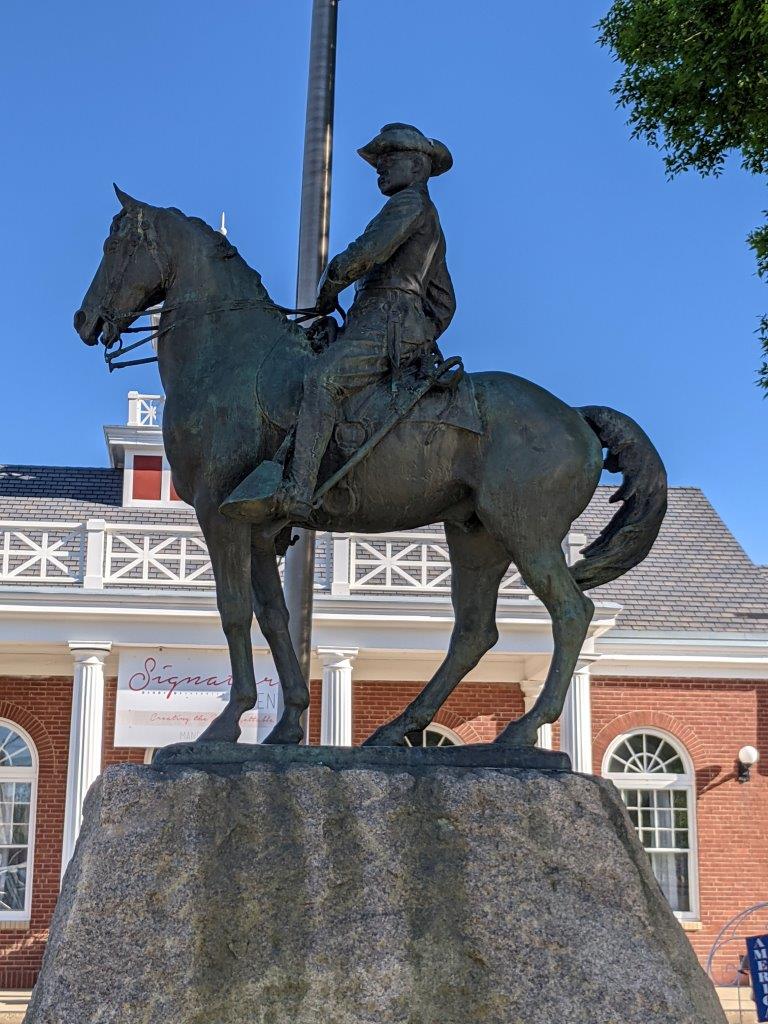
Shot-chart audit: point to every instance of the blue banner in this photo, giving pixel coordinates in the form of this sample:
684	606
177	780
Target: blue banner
757	951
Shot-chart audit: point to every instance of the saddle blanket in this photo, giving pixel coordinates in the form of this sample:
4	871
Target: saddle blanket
454	407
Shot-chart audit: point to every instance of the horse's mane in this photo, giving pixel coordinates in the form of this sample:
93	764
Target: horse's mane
220	243
220	247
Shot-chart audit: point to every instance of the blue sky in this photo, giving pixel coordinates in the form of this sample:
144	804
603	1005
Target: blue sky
575	262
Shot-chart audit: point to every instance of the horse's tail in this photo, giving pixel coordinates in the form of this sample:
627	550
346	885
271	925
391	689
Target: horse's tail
630	534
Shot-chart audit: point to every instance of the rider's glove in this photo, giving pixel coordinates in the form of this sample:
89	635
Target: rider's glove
327	294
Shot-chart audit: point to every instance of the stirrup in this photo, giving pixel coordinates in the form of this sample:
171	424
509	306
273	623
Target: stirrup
254	500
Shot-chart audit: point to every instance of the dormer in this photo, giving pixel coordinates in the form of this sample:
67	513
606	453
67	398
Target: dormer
137	448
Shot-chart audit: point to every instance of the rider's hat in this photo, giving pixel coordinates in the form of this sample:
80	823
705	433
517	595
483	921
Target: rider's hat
406	138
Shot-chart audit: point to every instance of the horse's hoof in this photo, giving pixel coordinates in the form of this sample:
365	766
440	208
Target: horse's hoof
220	732
285	733
386	736
517	737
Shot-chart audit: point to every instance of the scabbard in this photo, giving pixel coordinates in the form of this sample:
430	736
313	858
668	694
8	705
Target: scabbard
394	347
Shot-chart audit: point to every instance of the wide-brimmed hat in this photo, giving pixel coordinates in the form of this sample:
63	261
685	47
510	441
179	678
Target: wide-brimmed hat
405	137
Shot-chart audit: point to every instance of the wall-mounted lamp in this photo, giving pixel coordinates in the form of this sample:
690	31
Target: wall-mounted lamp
747	757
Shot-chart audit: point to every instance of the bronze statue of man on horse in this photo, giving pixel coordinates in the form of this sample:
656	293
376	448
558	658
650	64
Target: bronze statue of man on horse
507	472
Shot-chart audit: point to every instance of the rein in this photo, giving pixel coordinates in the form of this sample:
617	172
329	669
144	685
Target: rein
115	349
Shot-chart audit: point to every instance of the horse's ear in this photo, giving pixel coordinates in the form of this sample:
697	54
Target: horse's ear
127	202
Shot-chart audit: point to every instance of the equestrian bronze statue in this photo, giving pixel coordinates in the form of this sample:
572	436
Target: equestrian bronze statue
388	438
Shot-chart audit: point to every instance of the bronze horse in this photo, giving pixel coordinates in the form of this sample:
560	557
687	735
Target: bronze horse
232	366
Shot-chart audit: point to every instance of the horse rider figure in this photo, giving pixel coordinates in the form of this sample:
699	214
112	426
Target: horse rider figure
404	300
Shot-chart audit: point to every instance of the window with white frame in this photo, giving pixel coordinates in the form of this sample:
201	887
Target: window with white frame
18	796
434	736
655	776
147	480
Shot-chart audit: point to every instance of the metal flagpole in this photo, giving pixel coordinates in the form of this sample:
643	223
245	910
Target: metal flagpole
299	577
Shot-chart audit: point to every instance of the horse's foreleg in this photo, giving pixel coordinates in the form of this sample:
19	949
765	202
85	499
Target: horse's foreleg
478	564
545	571
229	545
272	613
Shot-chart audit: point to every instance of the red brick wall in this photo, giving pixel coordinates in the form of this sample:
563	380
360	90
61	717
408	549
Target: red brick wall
477	712
315	704
713	720
41	707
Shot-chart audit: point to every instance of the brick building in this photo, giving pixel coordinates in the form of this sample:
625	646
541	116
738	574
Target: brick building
110	645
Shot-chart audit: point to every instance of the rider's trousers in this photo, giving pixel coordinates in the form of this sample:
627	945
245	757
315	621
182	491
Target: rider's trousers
342	370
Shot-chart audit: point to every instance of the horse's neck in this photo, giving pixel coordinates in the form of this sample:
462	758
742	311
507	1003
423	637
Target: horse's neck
203	282
200	276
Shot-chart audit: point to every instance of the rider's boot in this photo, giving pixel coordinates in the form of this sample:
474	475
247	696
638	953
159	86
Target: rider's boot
313	432
267	496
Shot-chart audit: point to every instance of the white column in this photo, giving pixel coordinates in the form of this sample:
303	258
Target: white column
576	720
85	736
336	710
340	581
95	537
574	542
531	689
134	416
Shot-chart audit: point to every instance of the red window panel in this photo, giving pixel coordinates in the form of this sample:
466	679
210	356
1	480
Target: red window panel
147	477
173	495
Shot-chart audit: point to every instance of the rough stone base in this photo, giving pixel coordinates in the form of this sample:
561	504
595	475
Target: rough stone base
308	895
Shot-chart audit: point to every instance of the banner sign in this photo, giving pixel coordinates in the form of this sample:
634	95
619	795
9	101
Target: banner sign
172	696
757	951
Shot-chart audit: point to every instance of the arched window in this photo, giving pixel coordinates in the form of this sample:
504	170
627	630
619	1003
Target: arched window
434	736
18	797
655	777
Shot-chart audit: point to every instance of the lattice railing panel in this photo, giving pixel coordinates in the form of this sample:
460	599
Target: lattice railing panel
151	557
41	552
407	562
145	410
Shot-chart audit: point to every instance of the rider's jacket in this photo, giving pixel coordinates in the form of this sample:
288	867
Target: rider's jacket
398	264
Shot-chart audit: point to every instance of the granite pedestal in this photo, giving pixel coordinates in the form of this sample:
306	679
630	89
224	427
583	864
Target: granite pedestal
291	892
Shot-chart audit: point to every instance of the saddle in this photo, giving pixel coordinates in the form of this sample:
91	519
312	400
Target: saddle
409	393
360	415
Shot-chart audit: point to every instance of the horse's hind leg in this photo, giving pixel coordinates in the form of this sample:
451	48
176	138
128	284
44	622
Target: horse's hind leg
543	567
478	565
272	613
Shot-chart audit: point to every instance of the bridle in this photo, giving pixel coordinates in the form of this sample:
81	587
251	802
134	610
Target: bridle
115	348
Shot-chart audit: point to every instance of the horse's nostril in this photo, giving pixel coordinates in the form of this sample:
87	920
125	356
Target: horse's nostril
79	320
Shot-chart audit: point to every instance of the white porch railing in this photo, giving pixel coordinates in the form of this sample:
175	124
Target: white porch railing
41	552
408	562
145	410
97	554
161	556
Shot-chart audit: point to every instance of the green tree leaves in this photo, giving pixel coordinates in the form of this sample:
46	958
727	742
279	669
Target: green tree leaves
695	84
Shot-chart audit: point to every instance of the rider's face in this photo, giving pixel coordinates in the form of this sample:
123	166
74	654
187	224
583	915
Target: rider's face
396	171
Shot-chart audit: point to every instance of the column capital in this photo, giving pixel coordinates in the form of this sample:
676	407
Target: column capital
586	661
531	688
333	655
83	651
